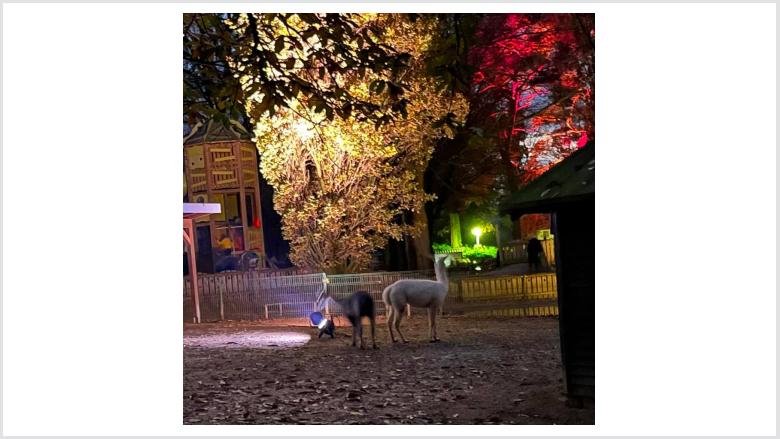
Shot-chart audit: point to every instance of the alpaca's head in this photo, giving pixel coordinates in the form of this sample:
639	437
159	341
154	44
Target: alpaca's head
324	297
443	260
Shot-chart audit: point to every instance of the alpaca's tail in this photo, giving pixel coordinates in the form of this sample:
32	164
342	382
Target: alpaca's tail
386	299
386	295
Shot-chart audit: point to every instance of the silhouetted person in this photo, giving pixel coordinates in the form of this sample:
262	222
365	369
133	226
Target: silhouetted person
535	253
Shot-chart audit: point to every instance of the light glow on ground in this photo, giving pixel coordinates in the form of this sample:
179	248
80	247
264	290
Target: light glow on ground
251	339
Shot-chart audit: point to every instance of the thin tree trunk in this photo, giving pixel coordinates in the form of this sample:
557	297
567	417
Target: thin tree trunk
456	239
497	226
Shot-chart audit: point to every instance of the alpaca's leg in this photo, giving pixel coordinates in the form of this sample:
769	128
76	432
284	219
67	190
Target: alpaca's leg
360	332
354	335
399	315
431	310
373	332
390	317
434	310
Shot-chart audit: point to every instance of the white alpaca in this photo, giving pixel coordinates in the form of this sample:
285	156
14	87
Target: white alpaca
419	293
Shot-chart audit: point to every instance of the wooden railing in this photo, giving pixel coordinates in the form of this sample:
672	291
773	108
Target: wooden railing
548	245
516	252
513	253
520	287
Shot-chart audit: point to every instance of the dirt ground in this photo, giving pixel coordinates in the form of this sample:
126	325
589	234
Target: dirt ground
484	371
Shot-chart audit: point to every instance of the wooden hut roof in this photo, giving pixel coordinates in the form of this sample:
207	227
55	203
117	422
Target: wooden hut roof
572	179
212	131
197	210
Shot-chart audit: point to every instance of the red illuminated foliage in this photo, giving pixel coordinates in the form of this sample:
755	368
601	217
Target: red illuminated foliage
533	85
529	224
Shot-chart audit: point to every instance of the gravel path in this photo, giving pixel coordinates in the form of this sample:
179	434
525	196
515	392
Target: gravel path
485	371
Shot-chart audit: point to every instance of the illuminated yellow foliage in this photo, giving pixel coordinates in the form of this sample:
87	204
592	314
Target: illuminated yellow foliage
340	185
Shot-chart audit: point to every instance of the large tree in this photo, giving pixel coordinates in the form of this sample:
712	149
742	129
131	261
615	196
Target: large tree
529	78
533	86
221	49
342	184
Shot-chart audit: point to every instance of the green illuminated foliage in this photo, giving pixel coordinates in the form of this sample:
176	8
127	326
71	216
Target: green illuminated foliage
471	255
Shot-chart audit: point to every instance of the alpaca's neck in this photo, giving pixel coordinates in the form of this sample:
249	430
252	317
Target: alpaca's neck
441	273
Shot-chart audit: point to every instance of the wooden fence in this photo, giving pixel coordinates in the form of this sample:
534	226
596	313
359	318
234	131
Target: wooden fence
521	287
276	272
513	253
548	245
527	311
516	252
254	296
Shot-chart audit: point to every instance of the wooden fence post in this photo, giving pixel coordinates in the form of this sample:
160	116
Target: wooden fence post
221	306
522	287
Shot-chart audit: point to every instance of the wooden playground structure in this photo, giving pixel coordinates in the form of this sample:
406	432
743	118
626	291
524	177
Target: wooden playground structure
220	166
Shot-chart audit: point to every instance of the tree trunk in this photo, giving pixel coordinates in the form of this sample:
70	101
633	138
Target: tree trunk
497	226
455	237
408	252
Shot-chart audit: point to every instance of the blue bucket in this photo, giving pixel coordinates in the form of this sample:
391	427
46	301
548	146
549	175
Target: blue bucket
316	318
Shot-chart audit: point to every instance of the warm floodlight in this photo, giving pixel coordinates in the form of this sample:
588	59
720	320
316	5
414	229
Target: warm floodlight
304	130
477	231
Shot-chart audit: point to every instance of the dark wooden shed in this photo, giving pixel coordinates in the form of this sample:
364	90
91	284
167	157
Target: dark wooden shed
567	191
